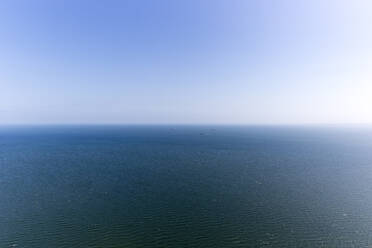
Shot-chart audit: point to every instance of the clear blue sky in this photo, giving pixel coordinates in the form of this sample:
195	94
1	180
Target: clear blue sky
186	61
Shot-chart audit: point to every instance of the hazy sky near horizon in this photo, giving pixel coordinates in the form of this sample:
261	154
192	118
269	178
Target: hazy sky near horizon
186	61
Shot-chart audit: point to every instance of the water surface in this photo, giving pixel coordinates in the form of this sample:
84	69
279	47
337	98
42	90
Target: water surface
185	186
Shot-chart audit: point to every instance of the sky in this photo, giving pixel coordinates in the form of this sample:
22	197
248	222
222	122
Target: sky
185	61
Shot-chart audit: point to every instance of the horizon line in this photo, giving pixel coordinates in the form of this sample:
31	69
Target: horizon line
186	124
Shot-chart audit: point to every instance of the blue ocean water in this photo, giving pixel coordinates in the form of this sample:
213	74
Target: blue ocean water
185	186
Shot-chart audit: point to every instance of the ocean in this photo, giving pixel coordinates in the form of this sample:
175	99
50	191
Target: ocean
185	186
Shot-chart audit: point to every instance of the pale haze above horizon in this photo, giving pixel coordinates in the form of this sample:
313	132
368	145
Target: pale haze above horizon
186	61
